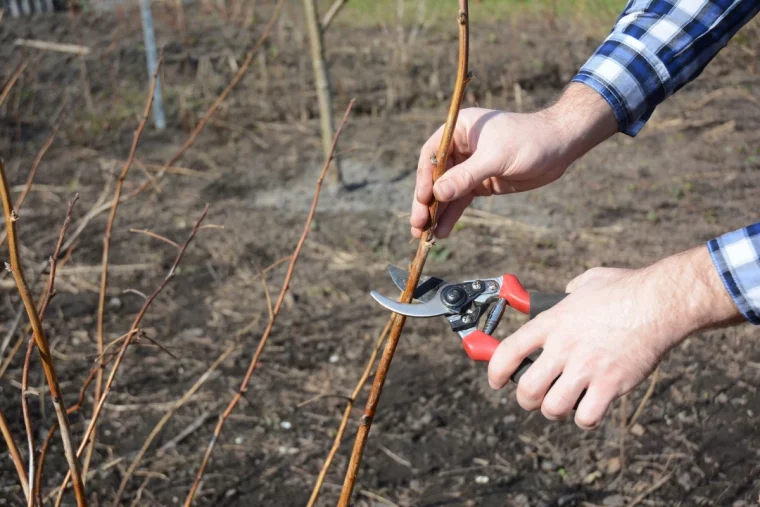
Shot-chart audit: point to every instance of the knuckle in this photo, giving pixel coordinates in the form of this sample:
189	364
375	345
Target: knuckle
554	408
587	422
528	404
467	177
530	392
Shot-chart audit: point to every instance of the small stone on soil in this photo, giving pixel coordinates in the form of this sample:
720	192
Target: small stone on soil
286	425
548	466
482	479
613	466
614	501
637	430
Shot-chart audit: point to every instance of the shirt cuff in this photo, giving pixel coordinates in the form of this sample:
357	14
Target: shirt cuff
736	256
630	77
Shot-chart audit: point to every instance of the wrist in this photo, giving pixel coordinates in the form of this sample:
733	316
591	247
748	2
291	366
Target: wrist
580	119
694	294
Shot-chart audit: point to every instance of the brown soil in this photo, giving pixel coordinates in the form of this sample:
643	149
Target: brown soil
442	436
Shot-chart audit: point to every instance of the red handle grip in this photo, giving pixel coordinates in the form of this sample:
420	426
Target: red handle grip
480	346
515	294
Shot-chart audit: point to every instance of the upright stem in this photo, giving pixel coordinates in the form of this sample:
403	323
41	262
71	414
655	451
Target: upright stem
50	292
426	242
322	80
42	342
125	344
272	318
15	454
107	246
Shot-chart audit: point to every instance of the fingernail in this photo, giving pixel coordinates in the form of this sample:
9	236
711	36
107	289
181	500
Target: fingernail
444	190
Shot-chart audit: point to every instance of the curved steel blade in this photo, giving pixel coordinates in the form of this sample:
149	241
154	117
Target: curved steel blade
431	308
426	289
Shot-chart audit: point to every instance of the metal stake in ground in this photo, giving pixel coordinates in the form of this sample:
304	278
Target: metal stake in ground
151	56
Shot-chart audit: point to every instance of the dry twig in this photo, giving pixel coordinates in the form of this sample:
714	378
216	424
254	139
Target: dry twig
425	243
331	13
73	49
272	319
70	410
651	489
25	372
12	81
346	415
30	178
155	236
165	419
15	454
122	350
645	399
41	339
107	247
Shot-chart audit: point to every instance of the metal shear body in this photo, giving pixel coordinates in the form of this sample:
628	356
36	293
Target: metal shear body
465	303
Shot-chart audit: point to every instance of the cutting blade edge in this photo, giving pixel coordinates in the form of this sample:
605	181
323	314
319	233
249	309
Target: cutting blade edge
432	308
426	289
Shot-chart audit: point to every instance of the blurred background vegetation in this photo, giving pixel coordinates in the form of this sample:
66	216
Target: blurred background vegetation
385	11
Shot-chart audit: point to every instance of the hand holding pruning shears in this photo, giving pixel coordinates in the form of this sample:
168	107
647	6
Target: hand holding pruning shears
613	328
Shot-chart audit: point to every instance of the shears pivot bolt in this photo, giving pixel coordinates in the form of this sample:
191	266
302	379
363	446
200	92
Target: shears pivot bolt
453	296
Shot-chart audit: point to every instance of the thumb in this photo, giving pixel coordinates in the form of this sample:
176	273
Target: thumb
461	179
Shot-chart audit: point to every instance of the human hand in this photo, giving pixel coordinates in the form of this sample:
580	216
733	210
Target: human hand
495	152
610	333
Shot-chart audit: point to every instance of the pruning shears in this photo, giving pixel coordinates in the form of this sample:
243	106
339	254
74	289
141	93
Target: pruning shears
465	303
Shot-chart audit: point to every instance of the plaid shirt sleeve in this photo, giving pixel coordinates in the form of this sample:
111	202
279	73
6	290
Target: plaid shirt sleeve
655	48
736	256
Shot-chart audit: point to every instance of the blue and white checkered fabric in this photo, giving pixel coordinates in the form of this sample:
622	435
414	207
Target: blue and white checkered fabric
737	257
655	48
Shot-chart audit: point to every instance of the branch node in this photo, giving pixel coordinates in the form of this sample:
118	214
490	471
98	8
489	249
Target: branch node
14	215
366	420
8	267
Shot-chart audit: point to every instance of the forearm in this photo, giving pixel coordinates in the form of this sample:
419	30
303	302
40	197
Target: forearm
580	119
690	288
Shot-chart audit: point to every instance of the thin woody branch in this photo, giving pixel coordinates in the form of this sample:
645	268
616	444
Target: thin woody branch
331	13
15	454
426	242
72	409
27	359
41	339
165	419
107	245
122	350
33	171
346	415
273	317
12	81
